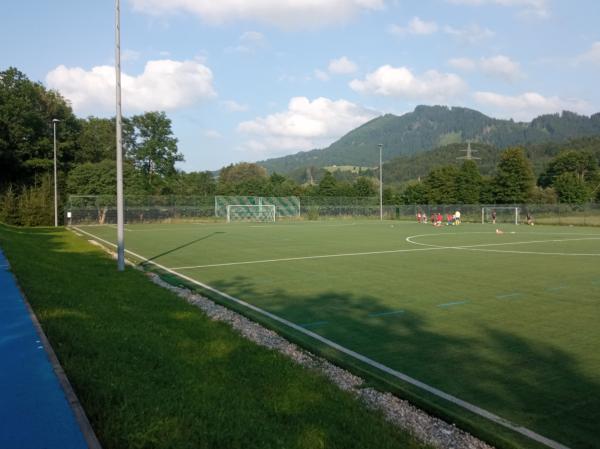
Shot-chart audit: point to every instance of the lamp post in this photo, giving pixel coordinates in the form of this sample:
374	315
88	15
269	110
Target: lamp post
120	215
54	122
380	183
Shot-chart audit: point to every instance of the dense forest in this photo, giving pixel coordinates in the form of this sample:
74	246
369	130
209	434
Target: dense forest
430	127
544	173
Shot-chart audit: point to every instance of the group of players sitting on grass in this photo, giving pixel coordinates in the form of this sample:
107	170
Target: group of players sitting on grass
437	219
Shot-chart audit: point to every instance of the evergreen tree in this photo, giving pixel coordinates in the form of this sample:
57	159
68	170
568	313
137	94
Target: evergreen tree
468	183
328	185
514	180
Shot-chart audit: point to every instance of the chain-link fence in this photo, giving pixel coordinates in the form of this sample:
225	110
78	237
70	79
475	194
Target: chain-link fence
101	209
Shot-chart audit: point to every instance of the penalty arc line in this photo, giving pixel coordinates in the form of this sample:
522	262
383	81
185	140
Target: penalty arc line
483	246
397	374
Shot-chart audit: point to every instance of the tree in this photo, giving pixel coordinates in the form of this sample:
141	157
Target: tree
26	142
468	183
415	193
364	187
571	189
441	185
514	180
544	195
194	183
328	185
243	171
101	179
97	140
151	146
582	163
486	192
390	197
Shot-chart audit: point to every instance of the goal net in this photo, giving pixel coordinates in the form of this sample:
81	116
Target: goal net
263	213
285	206
500	215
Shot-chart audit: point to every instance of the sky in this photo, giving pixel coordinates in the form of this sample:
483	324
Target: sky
245	80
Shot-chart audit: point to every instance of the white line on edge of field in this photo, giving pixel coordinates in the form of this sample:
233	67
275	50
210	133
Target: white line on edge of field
397	374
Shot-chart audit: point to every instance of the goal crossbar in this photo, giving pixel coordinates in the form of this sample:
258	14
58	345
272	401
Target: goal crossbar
251	212
487	211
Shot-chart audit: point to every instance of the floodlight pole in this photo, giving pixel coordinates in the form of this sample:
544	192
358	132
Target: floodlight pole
119	132
380	183
54	122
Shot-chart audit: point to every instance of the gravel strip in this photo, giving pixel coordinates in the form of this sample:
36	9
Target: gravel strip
425	428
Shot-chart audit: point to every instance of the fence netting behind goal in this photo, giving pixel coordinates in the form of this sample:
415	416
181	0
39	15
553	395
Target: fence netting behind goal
285	206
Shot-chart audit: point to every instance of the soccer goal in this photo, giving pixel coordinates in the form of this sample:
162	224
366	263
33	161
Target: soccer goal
503	214
262	213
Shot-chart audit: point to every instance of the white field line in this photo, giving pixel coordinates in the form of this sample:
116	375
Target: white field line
370	253
484	246
324	256
312	226
397	374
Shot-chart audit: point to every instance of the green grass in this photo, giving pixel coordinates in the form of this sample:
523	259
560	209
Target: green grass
510	327
153	372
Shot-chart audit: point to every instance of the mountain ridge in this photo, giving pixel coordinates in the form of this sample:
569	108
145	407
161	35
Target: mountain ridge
429	127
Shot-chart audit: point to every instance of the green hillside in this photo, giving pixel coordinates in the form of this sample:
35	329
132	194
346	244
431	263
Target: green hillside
429	127
406	168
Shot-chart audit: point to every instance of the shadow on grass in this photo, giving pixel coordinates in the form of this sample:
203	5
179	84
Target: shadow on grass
212	234
153	372
527	381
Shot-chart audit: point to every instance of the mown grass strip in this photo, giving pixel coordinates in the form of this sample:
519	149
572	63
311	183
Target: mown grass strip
153	371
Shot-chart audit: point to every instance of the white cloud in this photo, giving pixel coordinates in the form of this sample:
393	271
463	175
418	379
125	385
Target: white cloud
321	75
249	42
234	106
472	34
536	8
401	82
280	13
164	85
304	125
130	55
415	26
342	66
590	56
529	105
464	64
499	66
211	134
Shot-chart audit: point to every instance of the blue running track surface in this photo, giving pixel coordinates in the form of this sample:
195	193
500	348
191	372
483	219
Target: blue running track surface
34	412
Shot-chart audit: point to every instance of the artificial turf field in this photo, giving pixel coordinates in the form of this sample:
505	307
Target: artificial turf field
508	322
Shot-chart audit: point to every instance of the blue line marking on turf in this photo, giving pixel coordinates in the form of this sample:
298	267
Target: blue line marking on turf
315	324
396	312
509	295
450	304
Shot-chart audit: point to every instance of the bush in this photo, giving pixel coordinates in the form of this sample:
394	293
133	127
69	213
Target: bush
34	206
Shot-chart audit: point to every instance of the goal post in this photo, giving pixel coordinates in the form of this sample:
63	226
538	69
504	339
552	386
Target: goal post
504	214
262	213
